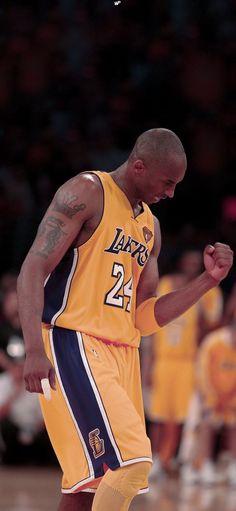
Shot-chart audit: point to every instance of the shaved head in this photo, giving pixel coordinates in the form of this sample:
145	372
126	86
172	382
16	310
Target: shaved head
157	145
155	166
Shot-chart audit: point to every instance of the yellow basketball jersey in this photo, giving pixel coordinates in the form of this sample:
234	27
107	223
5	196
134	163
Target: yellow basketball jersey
211	305
179	338
93	289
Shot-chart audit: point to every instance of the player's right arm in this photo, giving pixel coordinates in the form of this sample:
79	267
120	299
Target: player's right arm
73	210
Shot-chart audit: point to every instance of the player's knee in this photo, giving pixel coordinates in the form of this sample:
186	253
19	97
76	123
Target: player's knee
137	476
130	479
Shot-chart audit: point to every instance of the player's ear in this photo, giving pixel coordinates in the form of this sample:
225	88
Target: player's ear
139	167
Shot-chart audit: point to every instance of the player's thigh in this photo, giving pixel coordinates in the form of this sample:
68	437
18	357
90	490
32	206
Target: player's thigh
122	413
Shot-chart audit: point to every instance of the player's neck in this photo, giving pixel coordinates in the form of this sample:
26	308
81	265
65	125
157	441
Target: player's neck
122	180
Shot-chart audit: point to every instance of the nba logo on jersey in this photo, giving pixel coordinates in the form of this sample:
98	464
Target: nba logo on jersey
147	234
96	443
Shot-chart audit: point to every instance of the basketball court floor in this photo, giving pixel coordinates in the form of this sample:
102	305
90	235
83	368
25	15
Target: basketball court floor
31	489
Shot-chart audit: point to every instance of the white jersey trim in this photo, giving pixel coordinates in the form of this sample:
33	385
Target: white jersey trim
98	398
89	461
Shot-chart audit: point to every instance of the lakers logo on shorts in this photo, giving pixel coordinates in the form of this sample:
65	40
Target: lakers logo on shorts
96	443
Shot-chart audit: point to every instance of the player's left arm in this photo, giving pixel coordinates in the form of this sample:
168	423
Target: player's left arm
154	313
149	279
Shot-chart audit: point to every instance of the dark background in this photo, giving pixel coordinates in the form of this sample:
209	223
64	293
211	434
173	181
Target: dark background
80	80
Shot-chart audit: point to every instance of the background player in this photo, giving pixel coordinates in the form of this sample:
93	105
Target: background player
216	376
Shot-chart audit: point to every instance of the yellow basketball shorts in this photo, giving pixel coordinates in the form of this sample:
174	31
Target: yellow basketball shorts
172	389
95	418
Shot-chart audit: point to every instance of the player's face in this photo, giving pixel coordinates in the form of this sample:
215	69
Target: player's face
164	188
161	183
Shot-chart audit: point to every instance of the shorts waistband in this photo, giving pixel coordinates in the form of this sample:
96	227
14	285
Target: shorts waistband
48	326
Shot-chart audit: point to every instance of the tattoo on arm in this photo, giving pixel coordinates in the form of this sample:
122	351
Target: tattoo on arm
51	227
66	205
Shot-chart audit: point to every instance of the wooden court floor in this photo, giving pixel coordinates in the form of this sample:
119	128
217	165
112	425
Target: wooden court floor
34	489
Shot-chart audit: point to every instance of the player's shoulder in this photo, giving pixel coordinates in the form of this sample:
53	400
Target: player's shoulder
157	232
85	183
156	221
85	180
156	226
83	193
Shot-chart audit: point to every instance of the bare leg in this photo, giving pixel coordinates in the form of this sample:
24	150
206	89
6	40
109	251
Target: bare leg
81	501
171	441
164	439
157	430
207	439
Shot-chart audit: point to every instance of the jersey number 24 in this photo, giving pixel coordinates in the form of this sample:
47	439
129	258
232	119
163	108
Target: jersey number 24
120	294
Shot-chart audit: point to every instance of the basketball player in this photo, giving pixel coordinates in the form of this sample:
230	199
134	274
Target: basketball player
216	377
91	277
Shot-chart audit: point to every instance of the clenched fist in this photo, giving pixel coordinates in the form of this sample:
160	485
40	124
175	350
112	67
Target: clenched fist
218	259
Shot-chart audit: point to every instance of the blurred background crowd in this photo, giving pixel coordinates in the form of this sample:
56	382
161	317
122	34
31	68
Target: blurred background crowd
79	81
